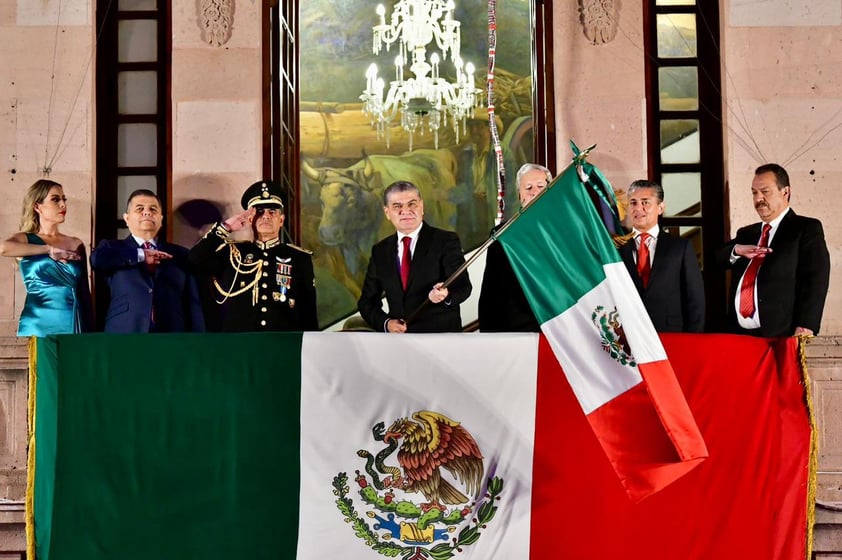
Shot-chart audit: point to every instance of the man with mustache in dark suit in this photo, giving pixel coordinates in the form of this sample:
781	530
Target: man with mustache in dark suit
780	265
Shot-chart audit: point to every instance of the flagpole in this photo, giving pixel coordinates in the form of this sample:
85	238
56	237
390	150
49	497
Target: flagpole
484	247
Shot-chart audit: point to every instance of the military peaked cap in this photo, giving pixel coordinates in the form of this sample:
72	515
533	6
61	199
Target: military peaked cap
262	193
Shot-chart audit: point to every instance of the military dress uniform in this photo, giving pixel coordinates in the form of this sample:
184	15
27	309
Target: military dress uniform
262	286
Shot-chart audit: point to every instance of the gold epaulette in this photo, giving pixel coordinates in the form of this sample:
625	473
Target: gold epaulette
302	249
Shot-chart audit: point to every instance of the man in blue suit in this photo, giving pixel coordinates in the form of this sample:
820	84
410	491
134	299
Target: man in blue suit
152	288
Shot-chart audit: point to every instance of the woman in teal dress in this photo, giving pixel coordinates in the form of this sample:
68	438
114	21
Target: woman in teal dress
53	266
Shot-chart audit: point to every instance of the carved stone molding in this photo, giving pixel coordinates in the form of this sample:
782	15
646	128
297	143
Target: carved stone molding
215	19
599	19
14	357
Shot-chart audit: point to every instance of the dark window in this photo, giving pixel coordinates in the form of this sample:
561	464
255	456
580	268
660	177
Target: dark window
685	131
133	105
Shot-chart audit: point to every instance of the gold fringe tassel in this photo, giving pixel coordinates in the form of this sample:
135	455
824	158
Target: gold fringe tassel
812	476
30	452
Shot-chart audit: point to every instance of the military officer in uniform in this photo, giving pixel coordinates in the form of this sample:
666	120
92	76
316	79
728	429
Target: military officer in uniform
262	285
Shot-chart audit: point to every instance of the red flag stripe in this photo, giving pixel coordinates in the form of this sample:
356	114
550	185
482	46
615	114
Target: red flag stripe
748	500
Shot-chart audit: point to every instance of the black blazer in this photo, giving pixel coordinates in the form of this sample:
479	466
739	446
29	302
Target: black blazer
793	280
503	307
284	300
172	289
675	295
438	253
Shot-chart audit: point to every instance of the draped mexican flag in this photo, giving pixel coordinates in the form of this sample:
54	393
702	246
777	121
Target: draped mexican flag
589	310
268	446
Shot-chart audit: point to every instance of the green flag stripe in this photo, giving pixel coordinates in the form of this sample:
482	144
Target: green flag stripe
558	246
183	446
46	395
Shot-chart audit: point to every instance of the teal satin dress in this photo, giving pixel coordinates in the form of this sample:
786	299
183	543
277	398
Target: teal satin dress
52	302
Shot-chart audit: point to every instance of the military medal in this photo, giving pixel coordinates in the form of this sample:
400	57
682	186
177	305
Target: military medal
284	276
284	282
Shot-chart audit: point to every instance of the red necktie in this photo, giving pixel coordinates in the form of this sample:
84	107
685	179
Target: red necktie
406	258
643	265
750	277
150	267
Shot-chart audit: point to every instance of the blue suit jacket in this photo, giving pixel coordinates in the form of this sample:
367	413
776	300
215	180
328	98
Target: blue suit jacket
171	289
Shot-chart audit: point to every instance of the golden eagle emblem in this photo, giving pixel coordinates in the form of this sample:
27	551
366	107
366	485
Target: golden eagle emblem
438	458
430	443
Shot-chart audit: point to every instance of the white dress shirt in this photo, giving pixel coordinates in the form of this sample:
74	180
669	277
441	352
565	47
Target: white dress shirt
652	242
141	256
753	322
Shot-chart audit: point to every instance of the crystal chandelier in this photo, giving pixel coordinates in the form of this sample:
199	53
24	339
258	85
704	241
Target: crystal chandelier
425	100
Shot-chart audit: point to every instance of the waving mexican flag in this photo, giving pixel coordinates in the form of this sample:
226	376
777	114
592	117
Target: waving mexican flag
592	315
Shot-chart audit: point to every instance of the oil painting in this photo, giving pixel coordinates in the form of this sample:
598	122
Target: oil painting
346	164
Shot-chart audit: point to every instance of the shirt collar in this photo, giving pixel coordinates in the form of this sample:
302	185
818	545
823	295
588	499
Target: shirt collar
777	221
653	231
140	241
412	235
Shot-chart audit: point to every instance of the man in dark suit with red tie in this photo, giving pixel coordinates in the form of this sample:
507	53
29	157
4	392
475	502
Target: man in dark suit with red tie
780	265
663	267
152	288
409	267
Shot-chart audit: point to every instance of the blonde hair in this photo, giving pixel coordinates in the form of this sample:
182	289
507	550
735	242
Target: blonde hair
30	222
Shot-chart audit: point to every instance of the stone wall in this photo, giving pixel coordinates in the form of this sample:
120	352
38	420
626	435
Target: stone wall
46	120
600	92
216	114
13	430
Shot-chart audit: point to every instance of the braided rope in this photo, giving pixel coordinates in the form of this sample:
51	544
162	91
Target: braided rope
495	134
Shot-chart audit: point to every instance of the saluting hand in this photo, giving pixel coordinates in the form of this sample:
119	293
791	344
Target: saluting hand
239	221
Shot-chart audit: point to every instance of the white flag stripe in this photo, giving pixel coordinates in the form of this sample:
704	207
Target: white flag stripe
643	338
351	381
593	375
